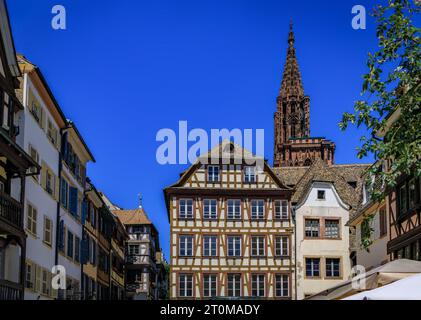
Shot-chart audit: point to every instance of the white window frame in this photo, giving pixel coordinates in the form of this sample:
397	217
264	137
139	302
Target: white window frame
258	248
234	209
234	284
332	267
210	245
214	174
183	281
258	283
281	210
257	209
234	246
210	209
282	286
184	205
210	285
329	235
250	174
282	245
186	245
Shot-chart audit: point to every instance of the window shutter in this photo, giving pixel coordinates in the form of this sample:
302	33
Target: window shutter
82	173
33	275
43	118
38	275
43	175
73	201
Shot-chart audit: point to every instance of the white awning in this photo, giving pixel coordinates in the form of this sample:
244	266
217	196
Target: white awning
380	276
405	289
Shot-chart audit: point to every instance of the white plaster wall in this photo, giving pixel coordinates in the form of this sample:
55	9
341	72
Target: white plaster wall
32	134
332	207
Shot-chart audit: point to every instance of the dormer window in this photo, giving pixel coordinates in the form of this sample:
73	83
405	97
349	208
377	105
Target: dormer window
321	194
213	173
249	174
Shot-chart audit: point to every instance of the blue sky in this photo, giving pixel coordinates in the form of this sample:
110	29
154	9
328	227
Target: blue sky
123	70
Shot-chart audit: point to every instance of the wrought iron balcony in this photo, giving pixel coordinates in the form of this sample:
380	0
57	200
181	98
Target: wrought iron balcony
10	290
10	210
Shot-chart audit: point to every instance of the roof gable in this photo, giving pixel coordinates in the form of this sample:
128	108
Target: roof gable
321	172
229	153
132	217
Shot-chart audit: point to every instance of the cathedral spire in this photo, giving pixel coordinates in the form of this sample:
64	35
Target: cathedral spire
291	80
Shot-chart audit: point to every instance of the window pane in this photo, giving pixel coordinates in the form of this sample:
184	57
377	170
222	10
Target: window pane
282	285
213	173
234	246
186	209
282	246
209	246
312	267
332	267
186	246
209	285
210	209
331	229
234	285
257	209
258	285
312	227
234	209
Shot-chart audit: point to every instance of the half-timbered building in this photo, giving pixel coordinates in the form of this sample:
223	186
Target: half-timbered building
231	229
144	266
403	206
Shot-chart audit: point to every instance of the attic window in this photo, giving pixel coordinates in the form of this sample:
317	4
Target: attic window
321	194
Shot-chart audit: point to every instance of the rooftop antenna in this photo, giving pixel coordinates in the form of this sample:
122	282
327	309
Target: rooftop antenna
140	198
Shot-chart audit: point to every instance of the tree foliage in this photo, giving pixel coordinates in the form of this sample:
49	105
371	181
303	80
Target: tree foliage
392	86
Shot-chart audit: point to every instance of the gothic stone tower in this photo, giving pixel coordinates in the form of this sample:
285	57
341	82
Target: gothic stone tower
293	144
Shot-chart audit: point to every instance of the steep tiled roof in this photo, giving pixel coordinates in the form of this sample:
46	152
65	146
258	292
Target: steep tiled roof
290	175
129	217
350	172
339	176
